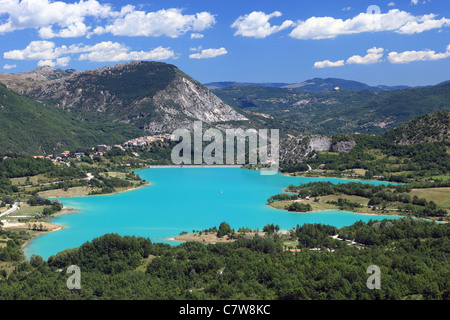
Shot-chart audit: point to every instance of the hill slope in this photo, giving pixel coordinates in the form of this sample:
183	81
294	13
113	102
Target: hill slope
20	82
434	127
340	111
329	84
315	85
32	127
153	96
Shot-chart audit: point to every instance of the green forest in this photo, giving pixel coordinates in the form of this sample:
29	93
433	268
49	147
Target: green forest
413	256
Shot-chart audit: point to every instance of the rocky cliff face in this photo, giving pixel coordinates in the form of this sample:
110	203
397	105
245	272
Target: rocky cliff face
156	97
296	150
344	146
320	143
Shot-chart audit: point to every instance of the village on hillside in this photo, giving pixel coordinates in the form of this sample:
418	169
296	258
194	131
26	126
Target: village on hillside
99	150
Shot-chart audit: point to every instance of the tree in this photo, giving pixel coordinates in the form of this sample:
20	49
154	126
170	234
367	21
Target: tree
224	229
36	260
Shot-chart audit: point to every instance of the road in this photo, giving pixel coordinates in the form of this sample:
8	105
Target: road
13	209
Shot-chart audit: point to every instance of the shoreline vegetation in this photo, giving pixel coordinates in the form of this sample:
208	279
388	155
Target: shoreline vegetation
39	228
393	200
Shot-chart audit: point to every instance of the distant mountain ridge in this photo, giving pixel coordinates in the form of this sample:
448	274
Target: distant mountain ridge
224	84
315	85
339	111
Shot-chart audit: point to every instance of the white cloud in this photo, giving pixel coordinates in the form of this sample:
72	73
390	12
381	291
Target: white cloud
113	52
412	56
394	20
424	25
328	64
391	4
60	19
9	66
256	24
208	53
36	50
414	2
171	23
48	63
63	62
69	17
48	54
74	30
196	36
373	56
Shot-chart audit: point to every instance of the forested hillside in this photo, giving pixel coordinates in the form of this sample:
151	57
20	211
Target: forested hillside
434	127
412	256
339	111
38	128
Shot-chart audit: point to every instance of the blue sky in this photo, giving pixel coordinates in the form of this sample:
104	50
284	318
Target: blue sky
403	42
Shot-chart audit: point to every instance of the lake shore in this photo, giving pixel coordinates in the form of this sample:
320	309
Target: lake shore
194	166
52	227
85	192
209	238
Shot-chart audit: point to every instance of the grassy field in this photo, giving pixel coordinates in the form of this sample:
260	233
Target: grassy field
26	181
321	205
441	196
361	172
8	266
145	263
316	206
27	210
71	192
377	154
290	244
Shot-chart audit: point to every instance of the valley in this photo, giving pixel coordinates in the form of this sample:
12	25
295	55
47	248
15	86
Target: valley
353	161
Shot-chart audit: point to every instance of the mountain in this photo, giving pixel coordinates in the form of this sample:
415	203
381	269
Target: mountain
315	85
153	96
332	84
20	82
434	127
224	84
339	111
37	128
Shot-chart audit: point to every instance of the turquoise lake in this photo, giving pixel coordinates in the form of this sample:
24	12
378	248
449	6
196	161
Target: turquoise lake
185	199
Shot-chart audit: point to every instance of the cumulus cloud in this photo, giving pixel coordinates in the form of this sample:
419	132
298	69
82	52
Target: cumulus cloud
391	4
89	17
69	17
394	20
412	56
171	23
49	54
328	64
374	55
257	25
196	36
37	50
113	52
9	66
209	53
